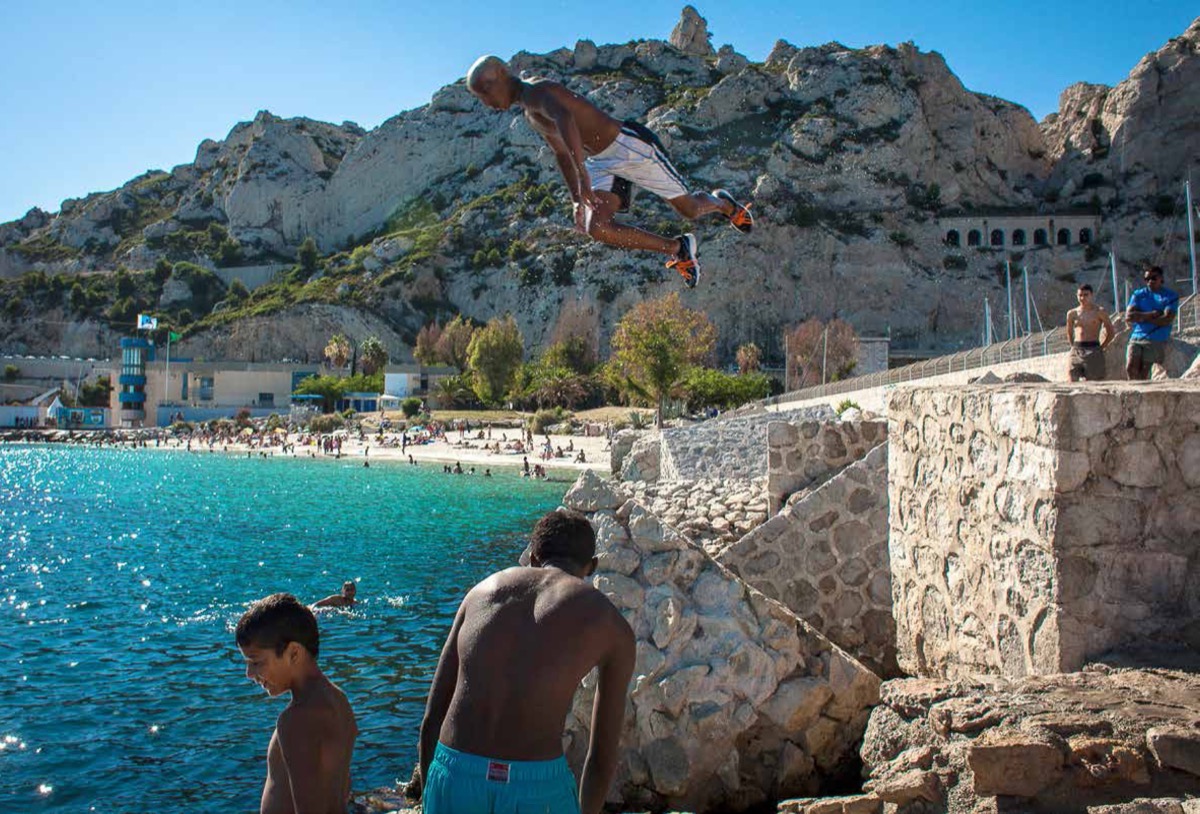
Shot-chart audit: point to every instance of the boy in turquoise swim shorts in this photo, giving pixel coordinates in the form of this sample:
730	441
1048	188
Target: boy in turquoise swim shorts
521	642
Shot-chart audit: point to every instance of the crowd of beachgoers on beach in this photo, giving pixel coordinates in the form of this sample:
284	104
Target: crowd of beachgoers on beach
461	441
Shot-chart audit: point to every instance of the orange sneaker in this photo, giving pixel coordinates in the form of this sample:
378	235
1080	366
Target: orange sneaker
685	261
741	219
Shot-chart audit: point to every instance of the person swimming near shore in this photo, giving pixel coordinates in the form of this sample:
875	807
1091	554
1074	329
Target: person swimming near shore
308	759
345	599
521	643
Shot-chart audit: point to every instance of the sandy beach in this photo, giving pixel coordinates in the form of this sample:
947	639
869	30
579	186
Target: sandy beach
470	452
453	448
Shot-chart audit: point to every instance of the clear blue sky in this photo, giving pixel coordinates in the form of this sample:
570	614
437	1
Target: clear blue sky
93	93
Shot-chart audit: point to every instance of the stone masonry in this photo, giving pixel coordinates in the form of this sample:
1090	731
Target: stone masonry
735	700
825	556
713	514
728	448
1035	527
801	455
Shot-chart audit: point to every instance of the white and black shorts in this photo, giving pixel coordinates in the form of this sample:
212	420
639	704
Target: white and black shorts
636	156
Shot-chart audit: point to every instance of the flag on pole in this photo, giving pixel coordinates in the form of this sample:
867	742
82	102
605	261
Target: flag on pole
146	322
173	337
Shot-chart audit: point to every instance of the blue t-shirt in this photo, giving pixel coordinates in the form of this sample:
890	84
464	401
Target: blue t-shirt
1146	300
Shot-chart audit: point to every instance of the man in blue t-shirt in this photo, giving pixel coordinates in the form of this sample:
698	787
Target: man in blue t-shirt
1151	311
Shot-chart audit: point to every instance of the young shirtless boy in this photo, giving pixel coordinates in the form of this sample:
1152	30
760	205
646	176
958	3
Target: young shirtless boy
601	159
522	640
308	761
1084	325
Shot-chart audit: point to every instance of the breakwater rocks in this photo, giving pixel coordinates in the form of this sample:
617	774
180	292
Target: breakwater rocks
735	700
1100	741
712	513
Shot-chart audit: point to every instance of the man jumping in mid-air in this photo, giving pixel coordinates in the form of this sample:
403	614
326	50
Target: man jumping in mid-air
601	159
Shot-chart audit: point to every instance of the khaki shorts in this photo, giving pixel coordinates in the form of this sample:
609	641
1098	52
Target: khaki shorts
1146	353
1086	363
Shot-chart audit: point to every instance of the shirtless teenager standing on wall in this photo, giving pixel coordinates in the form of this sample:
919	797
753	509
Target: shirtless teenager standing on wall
601	159
1084	325
521	642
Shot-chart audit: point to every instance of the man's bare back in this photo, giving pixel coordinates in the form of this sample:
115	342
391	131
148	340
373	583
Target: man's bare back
521	629
311	748
522	641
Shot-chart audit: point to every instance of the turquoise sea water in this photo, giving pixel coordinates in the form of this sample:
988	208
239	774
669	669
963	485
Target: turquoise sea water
122	574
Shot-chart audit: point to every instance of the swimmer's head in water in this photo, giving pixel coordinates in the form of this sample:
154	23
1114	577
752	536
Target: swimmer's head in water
277	621
490	81
564	538
349	589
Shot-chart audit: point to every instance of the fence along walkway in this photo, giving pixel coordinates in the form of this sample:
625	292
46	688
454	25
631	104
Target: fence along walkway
1031	346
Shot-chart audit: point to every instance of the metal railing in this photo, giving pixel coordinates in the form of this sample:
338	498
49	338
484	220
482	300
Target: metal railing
1031	346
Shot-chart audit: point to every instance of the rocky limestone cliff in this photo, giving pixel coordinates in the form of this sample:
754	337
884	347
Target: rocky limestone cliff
849	155
1129	148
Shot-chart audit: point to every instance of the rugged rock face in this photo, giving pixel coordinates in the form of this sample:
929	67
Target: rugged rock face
1129	148
690	34
735	700
1062	743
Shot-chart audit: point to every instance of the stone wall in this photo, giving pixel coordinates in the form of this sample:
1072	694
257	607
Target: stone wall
713	514
735	701
825	556
802	455
1035	527
731	448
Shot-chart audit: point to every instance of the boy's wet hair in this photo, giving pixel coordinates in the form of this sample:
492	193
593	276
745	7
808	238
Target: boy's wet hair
563	535
277	621
1087	287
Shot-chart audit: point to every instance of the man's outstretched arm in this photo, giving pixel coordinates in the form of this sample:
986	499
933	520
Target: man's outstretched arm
608	718
568	146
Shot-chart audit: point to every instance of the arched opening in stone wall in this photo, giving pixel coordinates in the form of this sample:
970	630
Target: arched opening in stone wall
1018	237
1064	237
997	237
952	238
1039	237
1085	235
974	238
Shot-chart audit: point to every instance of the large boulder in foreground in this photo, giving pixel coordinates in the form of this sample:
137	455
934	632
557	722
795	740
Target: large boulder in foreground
1076	742
734	700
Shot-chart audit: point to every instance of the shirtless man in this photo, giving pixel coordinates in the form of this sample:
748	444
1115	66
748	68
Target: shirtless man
521	642
601	159
1084	325
308	761
343	600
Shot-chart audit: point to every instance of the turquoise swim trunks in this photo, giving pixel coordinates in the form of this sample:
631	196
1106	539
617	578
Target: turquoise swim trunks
460	783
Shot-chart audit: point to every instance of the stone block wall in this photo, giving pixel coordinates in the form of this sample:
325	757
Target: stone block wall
1035	527
804	454
825	556
724	448
713	514
735	701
